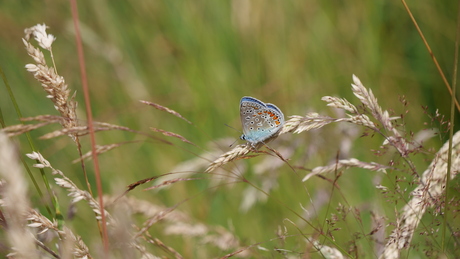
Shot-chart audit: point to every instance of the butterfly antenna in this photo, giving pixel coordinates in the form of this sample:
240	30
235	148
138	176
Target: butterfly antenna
235	130
233	143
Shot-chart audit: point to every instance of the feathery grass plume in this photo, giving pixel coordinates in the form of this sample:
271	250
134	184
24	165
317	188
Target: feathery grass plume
369	101
236	153
370	105
39	32
73	190
53	84
99	150
145	254
345	164
157	242
170	182
80	249
426	195
15	130
154	219
42	223
69	242
84	130
15	202
166	109
73	131
312	120
172	134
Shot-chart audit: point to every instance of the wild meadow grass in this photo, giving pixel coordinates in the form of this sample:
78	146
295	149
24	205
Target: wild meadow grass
359	169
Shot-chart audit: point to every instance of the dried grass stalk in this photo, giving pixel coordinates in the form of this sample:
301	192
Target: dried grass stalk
154	219
166	109
53	84
72	188
99	150
15	202
369	101
345	164
45	118
80	249
172	134
237	152
70	243
42	223
298	124
16	130
144	253
73	131
164	247
427	194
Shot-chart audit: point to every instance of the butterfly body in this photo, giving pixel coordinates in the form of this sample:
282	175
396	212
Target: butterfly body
261	121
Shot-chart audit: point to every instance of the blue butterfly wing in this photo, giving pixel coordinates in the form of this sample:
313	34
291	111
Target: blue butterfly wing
259	120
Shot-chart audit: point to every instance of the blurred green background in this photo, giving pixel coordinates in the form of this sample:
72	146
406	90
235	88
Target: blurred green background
199	58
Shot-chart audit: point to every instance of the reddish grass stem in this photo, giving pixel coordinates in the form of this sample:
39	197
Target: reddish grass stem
435	61
89	115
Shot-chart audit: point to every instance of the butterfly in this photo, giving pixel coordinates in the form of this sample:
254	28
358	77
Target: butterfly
261	121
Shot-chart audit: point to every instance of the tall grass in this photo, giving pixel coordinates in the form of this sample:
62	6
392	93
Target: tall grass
363	177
